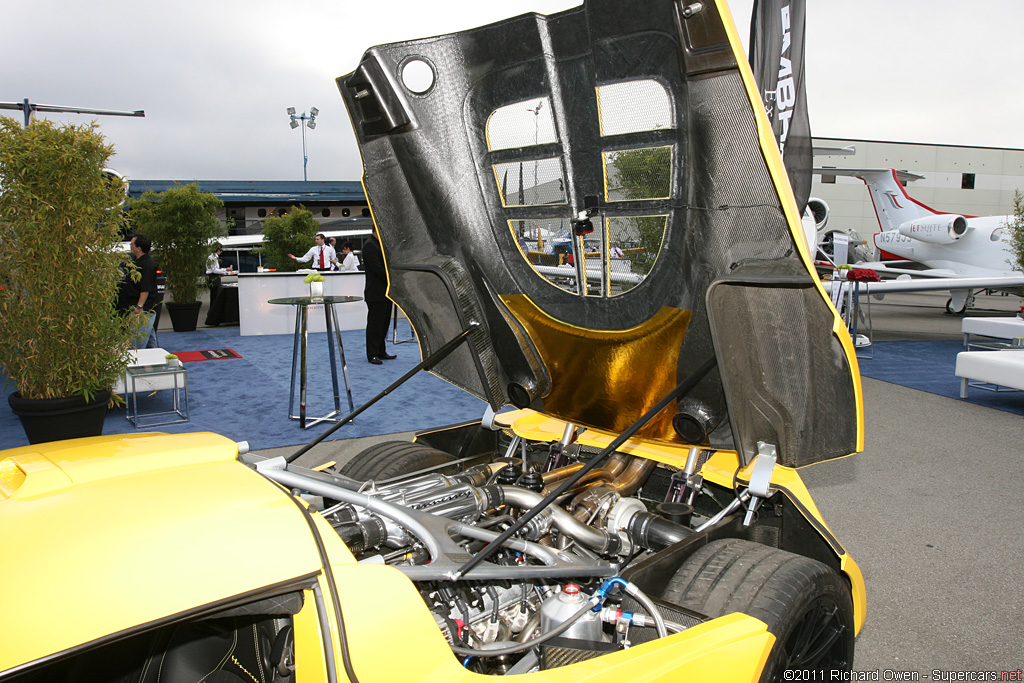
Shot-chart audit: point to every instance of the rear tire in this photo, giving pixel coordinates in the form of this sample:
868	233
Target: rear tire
806	605
393	458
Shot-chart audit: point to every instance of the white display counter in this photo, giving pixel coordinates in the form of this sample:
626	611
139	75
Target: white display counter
257	317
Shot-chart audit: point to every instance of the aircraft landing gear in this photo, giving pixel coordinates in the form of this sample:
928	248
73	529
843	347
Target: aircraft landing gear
959	301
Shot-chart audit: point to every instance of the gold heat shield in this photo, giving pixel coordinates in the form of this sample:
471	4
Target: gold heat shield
634	367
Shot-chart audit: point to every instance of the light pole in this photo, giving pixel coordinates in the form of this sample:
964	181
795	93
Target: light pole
309	121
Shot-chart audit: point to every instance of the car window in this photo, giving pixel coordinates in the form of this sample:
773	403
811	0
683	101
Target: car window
249	642
623	244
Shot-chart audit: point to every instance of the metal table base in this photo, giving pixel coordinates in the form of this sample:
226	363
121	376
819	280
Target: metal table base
394	328
179	405
299	357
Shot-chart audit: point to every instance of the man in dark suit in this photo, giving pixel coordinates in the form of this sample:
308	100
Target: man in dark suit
378	306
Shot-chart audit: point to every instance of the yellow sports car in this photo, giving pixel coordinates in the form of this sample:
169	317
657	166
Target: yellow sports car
637	516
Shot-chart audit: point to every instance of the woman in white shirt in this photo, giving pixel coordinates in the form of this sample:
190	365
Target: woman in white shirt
349	262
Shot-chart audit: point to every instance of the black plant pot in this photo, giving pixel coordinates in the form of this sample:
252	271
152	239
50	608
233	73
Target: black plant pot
184	316
56	419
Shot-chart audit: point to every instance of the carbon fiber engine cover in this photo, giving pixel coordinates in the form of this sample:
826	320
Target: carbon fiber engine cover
591	191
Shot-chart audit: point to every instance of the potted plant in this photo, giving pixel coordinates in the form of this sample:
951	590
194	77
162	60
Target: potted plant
316	286
182	223
292	233
171	360
62	345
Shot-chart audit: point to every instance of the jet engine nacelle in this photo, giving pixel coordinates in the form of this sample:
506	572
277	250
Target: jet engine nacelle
819	211
943	228
814	219
119	181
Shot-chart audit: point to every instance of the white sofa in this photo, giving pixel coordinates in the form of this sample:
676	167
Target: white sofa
145	357
1004	368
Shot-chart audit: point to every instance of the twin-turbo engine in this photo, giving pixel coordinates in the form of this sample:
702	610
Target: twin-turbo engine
550	582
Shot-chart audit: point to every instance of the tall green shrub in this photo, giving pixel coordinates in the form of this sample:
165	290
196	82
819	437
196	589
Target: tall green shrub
182	223
59	268
1015	232
292	233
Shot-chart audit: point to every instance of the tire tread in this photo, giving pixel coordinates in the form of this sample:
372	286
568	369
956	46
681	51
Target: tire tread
391	459
773	585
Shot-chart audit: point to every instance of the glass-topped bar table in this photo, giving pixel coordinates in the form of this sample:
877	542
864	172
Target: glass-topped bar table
302	304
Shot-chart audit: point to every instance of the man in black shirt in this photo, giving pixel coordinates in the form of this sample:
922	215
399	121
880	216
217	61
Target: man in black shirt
139	297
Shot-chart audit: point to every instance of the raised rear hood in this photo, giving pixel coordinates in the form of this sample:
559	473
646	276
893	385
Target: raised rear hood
487	152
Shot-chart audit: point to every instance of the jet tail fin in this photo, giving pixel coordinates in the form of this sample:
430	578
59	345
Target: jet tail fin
893	206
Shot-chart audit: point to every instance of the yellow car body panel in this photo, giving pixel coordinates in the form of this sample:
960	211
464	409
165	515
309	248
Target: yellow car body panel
108	533
310	662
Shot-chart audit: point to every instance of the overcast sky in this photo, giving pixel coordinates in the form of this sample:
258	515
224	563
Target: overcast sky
215	77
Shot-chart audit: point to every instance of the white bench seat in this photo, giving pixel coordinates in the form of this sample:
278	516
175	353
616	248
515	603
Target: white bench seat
1003	368
991	329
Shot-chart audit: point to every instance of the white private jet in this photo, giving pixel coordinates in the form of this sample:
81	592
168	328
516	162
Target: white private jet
960	253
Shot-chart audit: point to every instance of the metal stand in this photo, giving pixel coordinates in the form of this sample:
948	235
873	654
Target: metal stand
865	351
179	406
394	328
846	299
299	357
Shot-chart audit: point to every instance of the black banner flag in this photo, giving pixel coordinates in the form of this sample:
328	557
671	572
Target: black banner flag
777	30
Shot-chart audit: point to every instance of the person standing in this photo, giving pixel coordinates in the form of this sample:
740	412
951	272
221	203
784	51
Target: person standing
213	266
139	295
333	241
349	261
378	306
321	254
214	271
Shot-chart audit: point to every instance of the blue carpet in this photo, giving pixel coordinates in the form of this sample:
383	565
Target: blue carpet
246	399
929	366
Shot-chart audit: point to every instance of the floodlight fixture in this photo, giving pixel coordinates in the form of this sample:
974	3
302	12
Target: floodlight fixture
310	122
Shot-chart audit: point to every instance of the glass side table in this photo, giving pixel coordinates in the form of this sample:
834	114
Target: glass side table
153	379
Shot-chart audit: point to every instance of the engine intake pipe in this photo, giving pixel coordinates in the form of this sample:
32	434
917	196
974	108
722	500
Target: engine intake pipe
655	532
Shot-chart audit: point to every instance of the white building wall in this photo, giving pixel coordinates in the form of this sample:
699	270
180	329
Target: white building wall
998	172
